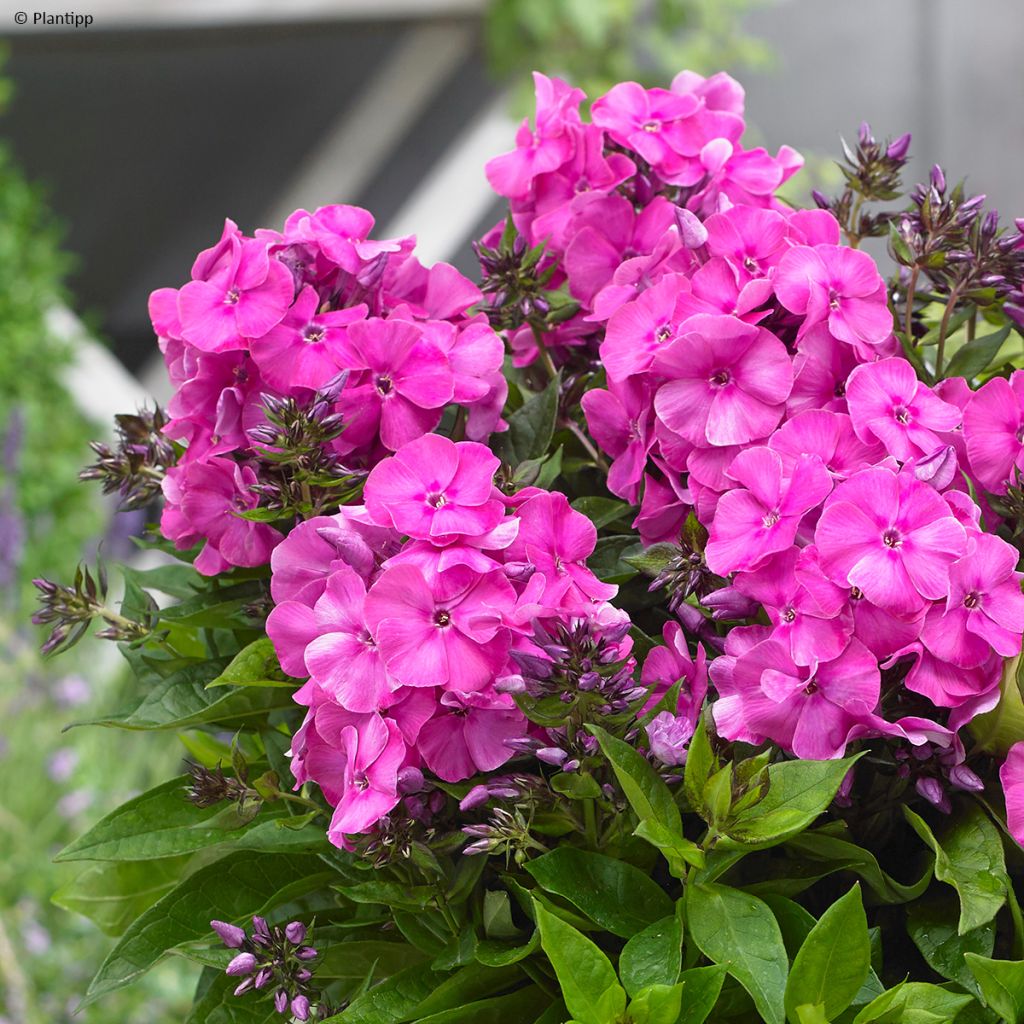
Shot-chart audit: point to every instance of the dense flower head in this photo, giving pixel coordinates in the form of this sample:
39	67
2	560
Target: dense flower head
345	325
411	617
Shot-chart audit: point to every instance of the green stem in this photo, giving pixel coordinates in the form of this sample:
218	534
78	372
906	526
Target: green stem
545	355
908	319
852	237
599	460
940	350
301	800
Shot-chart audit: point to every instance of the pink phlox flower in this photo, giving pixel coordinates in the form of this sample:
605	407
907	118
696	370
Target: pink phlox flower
984	611
546	147
341	233
672	663
1011	775
668	737
719	91
812	227
557	540
813	711
808	613
752	240
242	299
994	430
436	489
621	421
665	505
763	515
838	286
946	685
300	350
888	403
468	734
727	381
890	536
404	383
735	176
718	287
438	292
821	369
828	435
446	631
883	632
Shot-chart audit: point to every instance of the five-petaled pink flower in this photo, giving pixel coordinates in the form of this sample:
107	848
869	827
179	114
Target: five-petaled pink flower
994	430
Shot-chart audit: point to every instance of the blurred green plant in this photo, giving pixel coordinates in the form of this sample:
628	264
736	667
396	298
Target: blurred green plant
596	43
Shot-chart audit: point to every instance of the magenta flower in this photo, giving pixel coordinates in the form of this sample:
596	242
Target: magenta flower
556	541
728	381
888	403
812	711
670	664
344	658
985	608
752	240
807	612
947	685
764	514
374	750
831	437
406	383
994	429
821	368
434	489
665	505
302	350
1011	775
839	286
245	295
621	421
651	122
447	631
890	536
469	734
213	493
638	330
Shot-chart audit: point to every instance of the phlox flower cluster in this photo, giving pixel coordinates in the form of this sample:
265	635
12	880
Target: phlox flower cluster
761	391
318	309
622	197
410	615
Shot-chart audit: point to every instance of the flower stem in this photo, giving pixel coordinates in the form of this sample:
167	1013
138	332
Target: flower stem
542	349
908	319
599	460
940	350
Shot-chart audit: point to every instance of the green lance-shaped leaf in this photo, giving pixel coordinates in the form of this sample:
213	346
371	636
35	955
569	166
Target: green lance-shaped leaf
833	961
701	987
656	1004
969	857
231	889
255	665
591	991
393	1000
932	924
614	894
914	1002
1002	985
531	427
739	931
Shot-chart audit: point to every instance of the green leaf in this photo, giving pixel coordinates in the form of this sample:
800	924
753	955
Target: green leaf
182	700
352	961
614	894
653	956
163	823
500	954
1002	985
113	895
701	763
657	1004
610	560
255	665
701	986
576	785
393	1000
795	923
678	851
467	985
531	427
652	560
969	857
601	511
223	608
845	856
932	924
589	986
644	789
390	894
739	931
833	961
516	1006
238	886
970	359
913	1002
798	792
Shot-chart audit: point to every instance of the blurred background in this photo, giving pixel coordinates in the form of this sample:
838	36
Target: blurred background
124	144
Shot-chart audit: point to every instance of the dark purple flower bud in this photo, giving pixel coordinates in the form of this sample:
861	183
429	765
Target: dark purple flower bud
938	179
1015	312
260	927
898	148
295	932
820	199
476	797
410	780
939	468
475	849
302	975
244	987
729	603
931	790
991	223
300	1008
230	934
571	766
864	134
280	1000
244	963
552	755
263	976
307	953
